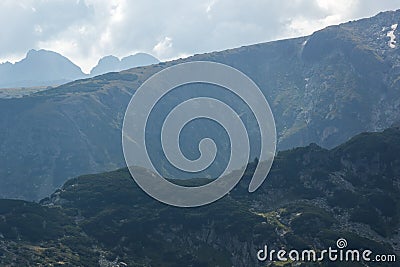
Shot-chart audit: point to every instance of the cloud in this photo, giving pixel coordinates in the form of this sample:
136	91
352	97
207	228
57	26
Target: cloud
162	49
26	22
86	30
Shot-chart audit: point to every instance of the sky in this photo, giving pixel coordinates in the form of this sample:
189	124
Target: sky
86	30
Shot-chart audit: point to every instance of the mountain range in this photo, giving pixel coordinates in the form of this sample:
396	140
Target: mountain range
48	68
113	64
311	198
323	88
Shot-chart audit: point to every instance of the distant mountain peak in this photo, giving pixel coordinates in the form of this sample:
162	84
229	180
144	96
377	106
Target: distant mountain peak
42	52
44	67
109	58
39	68
112	63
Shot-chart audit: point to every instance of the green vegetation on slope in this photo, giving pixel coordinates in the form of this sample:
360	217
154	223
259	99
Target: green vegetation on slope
312	197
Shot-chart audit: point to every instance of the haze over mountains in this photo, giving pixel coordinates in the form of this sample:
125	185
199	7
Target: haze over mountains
323	88
46	68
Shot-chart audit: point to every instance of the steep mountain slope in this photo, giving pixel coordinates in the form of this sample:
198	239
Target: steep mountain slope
312	197
322	88
113	64
38	68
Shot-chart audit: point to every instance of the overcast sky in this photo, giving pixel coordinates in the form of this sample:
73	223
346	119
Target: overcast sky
86	30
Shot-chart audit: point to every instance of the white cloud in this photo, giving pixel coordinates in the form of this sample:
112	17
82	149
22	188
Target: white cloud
210	5
334	12
86	30
163	48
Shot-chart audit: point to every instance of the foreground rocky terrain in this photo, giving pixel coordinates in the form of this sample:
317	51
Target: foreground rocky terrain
312	197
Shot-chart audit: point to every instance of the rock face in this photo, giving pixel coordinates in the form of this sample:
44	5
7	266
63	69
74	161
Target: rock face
322	89
39	68
113	64
311	198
